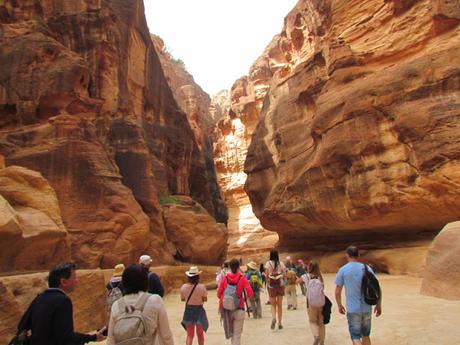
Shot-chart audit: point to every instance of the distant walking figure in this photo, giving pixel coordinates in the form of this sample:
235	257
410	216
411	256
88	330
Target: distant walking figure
358	311
274	271
155	286
255	280
194	295
234	288
313	280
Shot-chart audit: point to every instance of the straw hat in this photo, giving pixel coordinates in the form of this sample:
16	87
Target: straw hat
252	265
193	271
118	270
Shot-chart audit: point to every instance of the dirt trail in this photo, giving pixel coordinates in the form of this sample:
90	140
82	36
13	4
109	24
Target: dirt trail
408	319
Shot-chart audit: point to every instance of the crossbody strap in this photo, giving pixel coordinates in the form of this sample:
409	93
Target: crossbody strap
191	293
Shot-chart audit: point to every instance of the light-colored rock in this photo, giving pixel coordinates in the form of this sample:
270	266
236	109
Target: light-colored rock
232	138
441	277
196	236
32	235
358	138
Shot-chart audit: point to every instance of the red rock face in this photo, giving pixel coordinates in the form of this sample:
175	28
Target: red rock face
196	104
358	140
84	101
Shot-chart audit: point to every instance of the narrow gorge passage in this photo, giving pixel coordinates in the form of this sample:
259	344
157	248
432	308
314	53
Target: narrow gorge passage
343	128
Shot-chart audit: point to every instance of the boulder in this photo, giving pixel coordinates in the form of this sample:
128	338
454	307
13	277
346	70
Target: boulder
31	230
196	236
441	277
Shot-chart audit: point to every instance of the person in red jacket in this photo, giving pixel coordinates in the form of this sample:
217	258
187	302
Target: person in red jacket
233	320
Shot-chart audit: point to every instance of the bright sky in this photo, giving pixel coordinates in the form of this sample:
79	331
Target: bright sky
218	40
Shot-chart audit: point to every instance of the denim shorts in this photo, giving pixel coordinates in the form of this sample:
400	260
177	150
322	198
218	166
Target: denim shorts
359	325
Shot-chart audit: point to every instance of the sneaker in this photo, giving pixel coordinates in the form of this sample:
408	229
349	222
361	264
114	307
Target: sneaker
294	308
316	341
289	307
280	326
272	326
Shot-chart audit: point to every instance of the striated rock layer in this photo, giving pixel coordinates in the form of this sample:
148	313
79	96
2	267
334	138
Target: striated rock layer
233	136
84	101
441	277
359	140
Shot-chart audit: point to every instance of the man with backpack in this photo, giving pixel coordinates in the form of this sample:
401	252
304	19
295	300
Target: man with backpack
155	286
358	310
255	280
233	292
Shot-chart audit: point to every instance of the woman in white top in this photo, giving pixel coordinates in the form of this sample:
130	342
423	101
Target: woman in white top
152	321
274	271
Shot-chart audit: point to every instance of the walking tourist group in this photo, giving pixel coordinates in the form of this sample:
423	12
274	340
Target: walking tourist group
136	313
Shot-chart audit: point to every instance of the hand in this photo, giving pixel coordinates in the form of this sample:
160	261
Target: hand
342	309
378	310
100	335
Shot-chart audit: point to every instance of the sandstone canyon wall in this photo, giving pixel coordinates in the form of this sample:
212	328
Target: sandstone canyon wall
358	140
232	138
84	101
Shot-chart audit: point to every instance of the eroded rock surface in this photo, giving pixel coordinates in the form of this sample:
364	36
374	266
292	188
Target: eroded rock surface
358	140
196	236
441	277
196	104
32	234
84	101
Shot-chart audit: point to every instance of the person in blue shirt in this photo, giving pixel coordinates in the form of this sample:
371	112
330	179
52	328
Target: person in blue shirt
358	311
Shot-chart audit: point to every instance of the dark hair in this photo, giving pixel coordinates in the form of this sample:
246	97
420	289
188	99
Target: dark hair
274	256
352	251
134	279
234	265
194	279
261	268
60	271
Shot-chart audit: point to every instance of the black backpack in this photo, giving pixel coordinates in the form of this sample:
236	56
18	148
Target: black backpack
370	287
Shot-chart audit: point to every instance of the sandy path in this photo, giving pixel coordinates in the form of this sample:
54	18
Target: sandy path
408	319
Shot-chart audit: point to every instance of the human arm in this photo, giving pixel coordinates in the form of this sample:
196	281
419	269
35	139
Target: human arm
63	325
338	299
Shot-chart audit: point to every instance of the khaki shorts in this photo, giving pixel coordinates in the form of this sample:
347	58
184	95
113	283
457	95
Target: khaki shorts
274	292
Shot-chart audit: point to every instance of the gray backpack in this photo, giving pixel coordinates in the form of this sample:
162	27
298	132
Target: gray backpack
129	328
231	301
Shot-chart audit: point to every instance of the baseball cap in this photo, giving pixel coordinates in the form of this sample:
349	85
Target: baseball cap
145	259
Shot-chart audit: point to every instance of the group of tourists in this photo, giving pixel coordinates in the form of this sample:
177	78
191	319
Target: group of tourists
137	315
